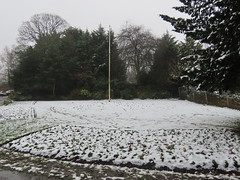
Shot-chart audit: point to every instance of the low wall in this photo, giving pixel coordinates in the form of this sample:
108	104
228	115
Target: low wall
204	97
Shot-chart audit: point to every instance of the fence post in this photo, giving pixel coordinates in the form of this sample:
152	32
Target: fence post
227	101
206	98
179	92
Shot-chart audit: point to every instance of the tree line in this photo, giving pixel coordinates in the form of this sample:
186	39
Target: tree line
66	62
63	64
53	59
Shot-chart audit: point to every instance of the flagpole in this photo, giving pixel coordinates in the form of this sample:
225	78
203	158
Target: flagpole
109	67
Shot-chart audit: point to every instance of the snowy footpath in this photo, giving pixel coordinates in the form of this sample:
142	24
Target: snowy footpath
170	135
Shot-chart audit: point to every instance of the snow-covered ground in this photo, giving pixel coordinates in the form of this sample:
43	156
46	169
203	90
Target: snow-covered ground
124	114
152	133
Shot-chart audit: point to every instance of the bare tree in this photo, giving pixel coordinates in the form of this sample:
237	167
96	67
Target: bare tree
136	46
40	25
9	61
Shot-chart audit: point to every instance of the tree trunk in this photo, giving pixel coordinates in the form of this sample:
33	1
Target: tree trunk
54	88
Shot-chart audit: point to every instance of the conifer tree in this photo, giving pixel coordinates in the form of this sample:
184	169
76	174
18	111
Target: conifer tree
165	61
216	24
58	64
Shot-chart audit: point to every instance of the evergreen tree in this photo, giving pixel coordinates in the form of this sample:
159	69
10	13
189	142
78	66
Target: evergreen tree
42	69
24	76
99	43
188	57
165	62
100	59
61	63
215	23
76	48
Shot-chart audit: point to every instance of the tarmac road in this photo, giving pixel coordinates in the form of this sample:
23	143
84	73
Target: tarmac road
14	175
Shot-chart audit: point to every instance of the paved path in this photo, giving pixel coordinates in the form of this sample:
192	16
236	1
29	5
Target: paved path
14	175
68	170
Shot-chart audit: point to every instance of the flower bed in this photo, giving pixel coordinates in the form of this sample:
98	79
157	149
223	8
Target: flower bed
191	149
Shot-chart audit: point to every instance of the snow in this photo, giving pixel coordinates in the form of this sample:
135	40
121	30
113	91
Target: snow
151	133
2	72
134	115
191	149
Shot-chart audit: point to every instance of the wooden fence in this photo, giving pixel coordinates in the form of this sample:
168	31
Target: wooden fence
204	97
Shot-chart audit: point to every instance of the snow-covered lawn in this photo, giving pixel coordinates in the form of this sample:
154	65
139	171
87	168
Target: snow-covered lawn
163	134
123	114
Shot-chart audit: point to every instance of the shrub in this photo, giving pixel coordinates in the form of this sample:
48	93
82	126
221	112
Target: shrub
117	86
85	93
148	93
82	94
129	93
7	102
74	94
16	96
162	95
142	95
98	95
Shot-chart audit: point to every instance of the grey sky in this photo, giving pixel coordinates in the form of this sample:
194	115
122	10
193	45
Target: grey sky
88	14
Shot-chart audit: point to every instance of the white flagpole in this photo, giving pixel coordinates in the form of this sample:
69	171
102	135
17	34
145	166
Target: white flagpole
109	67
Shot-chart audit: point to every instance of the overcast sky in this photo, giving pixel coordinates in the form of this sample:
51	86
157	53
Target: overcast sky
88	14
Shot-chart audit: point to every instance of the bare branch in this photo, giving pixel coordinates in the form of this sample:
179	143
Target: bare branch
136	47
40	25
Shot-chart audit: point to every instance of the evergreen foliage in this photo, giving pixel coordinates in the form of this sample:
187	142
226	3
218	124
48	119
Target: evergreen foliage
60	63
165	67
165	62
216	23
69	63
188	58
